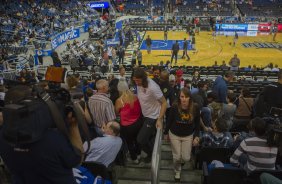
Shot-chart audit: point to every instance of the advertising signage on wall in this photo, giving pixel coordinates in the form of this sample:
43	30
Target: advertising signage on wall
261	27
64	36
236	27
98	5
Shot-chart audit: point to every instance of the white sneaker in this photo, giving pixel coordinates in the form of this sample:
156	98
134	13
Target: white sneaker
177	176
137	161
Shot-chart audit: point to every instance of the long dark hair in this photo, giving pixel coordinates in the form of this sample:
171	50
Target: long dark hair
187	93
139	73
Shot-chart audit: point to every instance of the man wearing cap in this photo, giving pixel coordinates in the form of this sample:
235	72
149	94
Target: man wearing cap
220	86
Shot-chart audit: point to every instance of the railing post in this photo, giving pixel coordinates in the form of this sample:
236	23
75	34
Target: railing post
156	156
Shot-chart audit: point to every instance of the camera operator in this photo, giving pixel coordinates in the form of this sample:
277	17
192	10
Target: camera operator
47	159
269	97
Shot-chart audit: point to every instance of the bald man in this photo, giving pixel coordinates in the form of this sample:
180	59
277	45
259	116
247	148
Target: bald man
105	149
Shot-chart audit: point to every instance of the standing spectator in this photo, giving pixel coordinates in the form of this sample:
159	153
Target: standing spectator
105	149
183	129
149	44
120	36
220	86
129	109
167	90
40	56
153	105
121	72
121	54
56	59
114	56
139	57
234	63
101	106
195	79
185	48
174	52
260	156
156	74
133	61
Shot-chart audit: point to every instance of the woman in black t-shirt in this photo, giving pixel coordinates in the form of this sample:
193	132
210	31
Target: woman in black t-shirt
183	129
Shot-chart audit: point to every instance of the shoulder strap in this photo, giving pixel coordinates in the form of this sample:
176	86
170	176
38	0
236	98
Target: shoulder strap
249	108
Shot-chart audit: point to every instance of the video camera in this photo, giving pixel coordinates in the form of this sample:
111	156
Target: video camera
274	129
28	117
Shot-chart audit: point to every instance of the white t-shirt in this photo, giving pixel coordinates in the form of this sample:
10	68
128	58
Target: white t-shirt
149	99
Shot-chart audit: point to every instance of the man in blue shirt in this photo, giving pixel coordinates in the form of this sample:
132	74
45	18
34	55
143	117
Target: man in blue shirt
220	86
105	149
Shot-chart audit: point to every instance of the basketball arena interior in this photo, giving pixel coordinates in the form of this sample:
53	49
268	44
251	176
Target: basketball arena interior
140	91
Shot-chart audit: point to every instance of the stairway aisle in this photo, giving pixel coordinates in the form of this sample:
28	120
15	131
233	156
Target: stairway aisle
141	174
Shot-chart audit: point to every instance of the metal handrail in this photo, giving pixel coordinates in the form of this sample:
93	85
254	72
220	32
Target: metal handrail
156	157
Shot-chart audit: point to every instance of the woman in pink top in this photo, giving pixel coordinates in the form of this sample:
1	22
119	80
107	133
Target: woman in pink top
129	109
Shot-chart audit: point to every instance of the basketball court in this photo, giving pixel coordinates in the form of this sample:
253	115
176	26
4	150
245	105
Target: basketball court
251	48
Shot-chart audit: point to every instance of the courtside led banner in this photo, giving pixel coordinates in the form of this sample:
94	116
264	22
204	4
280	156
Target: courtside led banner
97	5
236	27
61	38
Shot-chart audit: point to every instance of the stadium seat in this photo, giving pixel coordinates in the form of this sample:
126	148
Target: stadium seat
222	175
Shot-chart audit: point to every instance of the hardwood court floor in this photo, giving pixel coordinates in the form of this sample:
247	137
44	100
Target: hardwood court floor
218	50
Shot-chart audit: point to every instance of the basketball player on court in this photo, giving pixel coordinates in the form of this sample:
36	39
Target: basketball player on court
235	39
185	48
165	34
274	31
174	52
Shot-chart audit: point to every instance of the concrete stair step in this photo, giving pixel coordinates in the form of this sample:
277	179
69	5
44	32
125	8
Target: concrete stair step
149	182
164	164
144	174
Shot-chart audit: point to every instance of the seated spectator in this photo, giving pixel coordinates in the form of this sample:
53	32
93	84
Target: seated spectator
214	105
243	135
254	68
267	68
218	137
275	69
223	65
266	178
105	149
215	64
228	110
244	104
260	156
247	69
